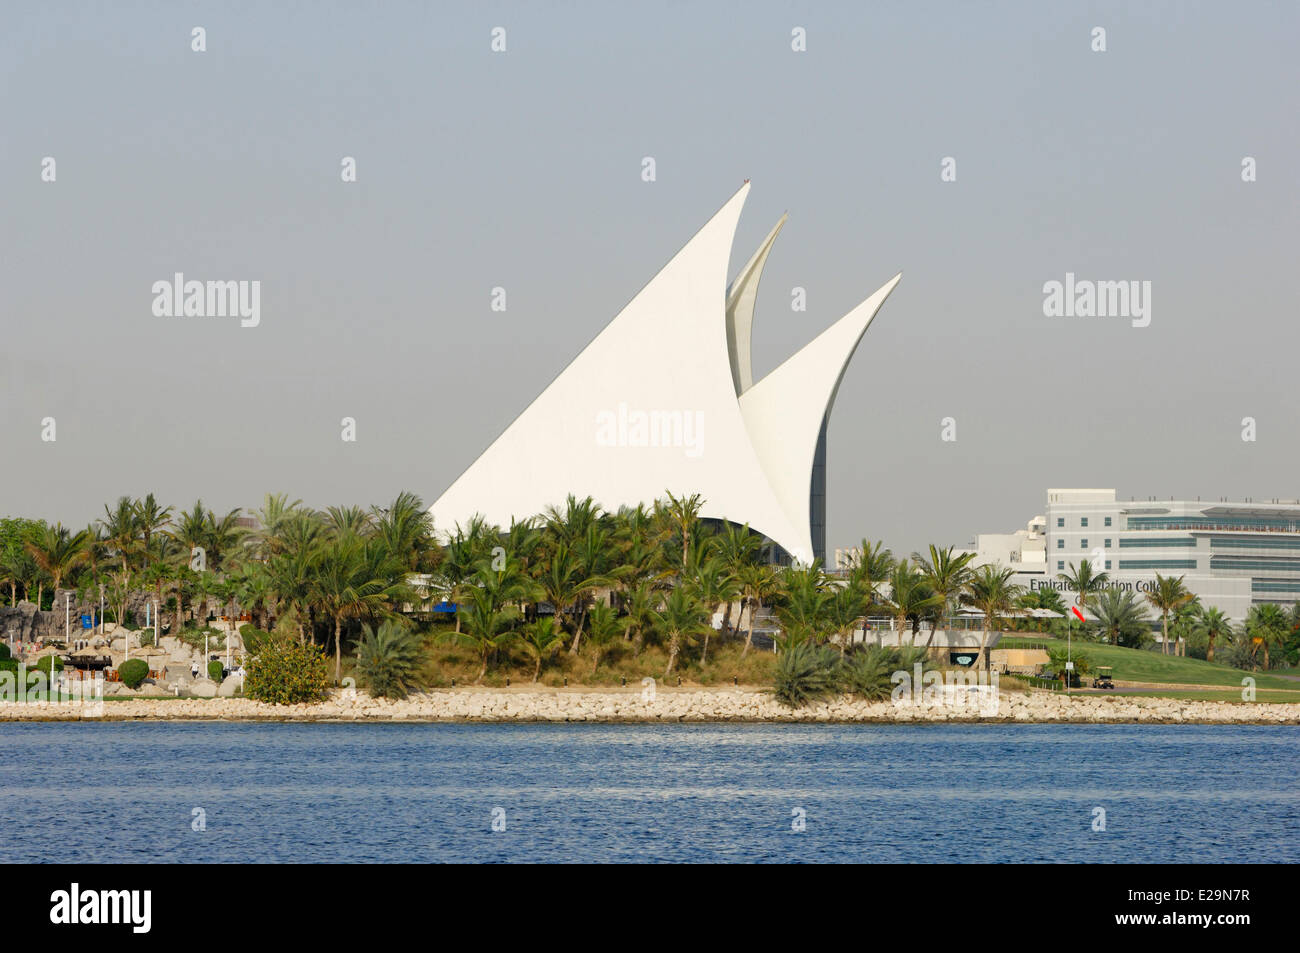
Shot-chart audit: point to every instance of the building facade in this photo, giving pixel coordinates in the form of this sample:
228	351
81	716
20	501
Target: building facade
1232	555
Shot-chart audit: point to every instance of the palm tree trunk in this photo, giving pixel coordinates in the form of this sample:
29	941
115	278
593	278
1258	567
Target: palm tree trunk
338	648
672	655
537	671
1164	631
1209	655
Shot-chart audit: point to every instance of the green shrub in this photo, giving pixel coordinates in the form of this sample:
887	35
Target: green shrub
255	639
5	654
45	663
1057	660
287	673
390	661
806	673
133	672
215	671
868	672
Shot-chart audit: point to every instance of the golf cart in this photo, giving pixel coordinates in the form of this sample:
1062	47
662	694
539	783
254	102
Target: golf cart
1103	679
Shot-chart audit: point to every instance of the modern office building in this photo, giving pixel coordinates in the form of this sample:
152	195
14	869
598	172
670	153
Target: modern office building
664	400
1232	555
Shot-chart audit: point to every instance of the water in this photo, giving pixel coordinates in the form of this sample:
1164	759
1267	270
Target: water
877	793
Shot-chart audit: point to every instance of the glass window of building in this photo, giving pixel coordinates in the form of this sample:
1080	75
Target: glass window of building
1083	521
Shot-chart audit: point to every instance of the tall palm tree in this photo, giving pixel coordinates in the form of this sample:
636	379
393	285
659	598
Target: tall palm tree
910	596
870	566
1121	616
991	591
276	511
1084	579
123	537
541	641
847	608
715	585
348	584
1168	595
946	575
1213	624
58	551
682	513
603	628
190	533
406	531
681	619
802	605
151	518
758	583
640	605
486	626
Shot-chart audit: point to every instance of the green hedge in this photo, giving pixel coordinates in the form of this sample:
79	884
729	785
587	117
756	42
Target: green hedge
215	670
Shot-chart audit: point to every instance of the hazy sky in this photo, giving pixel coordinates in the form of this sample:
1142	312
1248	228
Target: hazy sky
523	170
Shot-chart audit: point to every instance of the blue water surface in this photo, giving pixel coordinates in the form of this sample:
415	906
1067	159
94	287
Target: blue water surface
128	792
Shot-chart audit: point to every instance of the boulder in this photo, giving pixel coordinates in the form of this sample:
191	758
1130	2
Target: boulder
204	688
229	686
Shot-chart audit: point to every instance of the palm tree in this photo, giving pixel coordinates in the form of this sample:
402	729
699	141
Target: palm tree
486	627
122	536
991	591
352	522
946	576
681	619
151	519
1084	580
802	604
405	529
640	605
1266	624
1121	617
910	596
541	641
57	551
390	660
347	583
277	510
1213	624
847	608
466	547
758	583
870	566
715	586
1167	595
682	514
603	628
190	534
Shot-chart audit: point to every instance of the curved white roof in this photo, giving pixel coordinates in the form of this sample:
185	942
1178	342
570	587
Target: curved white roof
652	405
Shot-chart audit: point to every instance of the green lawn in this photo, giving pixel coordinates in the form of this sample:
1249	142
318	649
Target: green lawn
1263	697
1137	665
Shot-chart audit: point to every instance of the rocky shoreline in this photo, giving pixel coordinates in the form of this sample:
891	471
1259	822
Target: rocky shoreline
680	705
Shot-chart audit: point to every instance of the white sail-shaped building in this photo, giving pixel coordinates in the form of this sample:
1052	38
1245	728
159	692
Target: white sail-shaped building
664	399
